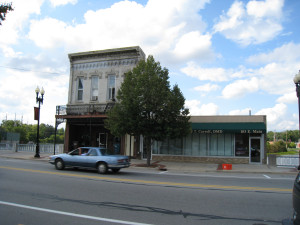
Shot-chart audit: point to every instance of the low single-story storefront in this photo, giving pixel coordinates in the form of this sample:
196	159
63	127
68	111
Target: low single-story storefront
218	139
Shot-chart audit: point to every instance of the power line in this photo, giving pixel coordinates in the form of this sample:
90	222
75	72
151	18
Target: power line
22	69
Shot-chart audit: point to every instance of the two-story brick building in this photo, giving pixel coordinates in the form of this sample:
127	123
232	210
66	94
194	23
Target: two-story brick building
95	78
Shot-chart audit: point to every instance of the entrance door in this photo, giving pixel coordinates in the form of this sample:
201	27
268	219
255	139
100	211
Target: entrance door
255	150
103	140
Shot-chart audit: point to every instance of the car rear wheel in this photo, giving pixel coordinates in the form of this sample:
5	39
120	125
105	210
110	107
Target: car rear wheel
59	164
102	168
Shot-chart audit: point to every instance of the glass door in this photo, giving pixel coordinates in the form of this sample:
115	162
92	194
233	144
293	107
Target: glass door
255	150
102	140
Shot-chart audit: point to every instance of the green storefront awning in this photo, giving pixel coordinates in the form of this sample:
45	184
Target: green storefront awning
215	128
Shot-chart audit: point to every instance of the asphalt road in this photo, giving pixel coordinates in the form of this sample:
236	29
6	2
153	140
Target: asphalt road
34	193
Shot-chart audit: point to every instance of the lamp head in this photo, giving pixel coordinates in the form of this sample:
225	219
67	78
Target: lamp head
297	78
42	91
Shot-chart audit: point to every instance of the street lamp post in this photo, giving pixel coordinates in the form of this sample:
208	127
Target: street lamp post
297	83
39	99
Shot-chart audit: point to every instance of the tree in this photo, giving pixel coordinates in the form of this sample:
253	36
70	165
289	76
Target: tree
28	132
147	106
4	8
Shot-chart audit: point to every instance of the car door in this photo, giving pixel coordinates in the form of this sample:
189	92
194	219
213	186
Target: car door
71	158
91	158
78	159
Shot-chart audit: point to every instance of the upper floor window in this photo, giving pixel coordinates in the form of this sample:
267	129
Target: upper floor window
111	87
94	88
80	89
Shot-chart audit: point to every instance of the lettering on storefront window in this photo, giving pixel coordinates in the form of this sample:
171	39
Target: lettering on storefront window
208	131
225	131
251	131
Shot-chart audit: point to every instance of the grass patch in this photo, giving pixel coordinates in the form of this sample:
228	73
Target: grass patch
291	151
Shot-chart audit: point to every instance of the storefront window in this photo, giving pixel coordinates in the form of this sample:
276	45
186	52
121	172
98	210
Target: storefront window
197	144
213	150
229	144
203	144
242	145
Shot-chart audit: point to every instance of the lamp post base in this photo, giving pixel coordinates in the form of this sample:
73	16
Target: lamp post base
37	152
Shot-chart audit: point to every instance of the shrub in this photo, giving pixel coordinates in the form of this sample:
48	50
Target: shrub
278	146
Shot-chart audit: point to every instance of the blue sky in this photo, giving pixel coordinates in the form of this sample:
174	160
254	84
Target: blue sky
228	57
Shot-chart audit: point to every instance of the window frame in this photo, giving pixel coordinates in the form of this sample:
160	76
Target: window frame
80	89
94	87
111	89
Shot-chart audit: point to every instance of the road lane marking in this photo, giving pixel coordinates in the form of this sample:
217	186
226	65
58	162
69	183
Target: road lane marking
266	176
150	182
163	172
71	214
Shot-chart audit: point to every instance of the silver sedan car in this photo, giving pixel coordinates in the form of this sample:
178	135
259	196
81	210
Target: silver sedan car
90	157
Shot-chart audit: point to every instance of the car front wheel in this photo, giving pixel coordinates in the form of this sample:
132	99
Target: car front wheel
102	168
59	164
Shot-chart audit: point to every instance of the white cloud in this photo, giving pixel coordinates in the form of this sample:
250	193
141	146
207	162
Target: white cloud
55	3
288	98
287	53
254	23
212	74
16	19
160	28
18	92
240	88
207	88
204	109
277	78
41	32
275	114
246	111
193	44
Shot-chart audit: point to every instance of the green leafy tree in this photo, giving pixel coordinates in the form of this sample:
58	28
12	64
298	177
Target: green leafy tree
148	106
4	8
28	131
290	135
270	136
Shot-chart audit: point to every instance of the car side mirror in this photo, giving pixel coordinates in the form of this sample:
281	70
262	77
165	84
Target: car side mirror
298	167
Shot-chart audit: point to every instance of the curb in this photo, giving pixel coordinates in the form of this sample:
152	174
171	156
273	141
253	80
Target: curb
164	168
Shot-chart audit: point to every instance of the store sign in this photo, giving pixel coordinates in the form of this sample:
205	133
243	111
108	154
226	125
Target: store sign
208	131
228	131
251	131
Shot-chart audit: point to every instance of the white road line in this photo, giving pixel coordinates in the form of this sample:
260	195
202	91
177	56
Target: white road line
163	172
266	176
71	214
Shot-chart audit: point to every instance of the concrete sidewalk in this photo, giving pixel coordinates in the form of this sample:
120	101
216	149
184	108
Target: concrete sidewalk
183	167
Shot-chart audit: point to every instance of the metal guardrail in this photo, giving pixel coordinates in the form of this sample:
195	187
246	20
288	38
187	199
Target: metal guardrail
44	148
4	146
287	160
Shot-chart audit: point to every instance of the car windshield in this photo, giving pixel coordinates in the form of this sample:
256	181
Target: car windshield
105	151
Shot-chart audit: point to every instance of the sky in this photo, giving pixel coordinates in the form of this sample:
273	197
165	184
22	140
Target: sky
228	57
